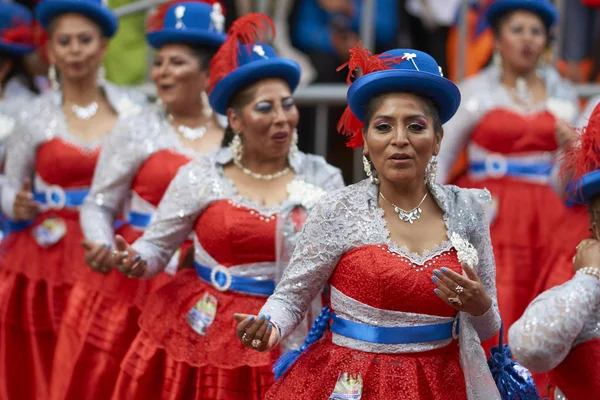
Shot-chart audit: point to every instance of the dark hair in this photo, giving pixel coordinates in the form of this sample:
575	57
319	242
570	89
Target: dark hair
431	109
52	23
241	99
203	53
18	70
502	18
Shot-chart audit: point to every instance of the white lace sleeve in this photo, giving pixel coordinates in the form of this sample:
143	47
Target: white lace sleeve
117	166
544	335
177	212
316	255
21	150
487	324
457	131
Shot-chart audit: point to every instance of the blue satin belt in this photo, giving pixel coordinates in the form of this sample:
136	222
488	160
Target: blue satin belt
240	284
139	220
385	335
72	198
511	168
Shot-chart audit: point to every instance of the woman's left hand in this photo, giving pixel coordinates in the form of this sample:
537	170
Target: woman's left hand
463	293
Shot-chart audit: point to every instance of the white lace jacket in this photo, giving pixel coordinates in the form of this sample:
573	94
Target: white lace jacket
42	120
350	218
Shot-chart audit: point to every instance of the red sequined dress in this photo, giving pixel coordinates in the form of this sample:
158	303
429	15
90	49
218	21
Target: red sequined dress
510	151
559	332
101	317
379	285
41	261
177	356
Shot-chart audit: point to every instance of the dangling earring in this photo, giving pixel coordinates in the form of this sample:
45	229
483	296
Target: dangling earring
541	66
369	170
101	76
497	59
236	148
294	144
207	111
431	172
53	77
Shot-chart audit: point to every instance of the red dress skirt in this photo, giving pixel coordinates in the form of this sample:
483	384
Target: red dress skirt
101	317
577	376
168	359
526	212
373	276
35	282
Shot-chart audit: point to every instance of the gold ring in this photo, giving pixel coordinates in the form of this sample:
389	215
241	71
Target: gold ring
459	289
455	300
245	338
256	343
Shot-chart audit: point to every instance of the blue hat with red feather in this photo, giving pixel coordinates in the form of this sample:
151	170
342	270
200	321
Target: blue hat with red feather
188	21
246	58
581	162
398	70
16	29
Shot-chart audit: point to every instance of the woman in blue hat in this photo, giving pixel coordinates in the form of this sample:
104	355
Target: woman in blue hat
513	120
17	40
409	261
242	206
558	333
57	141
136	165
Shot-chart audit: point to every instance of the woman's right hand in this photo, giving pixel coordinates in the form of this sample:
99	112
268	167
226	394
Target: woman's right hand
98	256
588	254
25	207
257	333
127	260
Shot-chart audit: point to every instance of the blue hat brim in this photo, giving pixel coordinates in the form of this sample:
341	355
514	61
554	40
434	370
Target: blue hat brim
159	38
15	48
222	93
439	89
547	12
45	11
584	189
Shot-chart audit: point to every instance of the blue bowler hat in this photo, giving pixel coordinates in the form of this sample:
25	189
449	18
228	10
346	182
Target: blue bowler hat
544	8
13	16
585	188
191	22
256	61
415	72
96	10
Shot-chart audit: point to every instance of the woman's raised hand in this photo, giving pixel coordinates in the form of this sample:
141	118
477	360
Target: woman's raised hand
463	293
257	333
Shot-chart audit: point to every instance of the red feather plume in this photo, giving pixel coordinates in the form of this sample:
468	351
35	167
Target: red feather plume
157	20
583	157
250	28
363	61
19	33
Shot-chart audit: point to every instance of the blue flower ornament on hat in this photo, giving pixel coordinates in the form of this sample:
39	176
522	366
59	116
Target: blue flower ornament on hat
16	29
544	8
96	10
398	70
581	163
245	58
193	22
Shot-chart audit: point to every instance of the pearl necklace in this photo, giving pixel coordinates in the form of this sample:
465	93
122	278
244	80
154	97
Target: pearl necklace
85	112
407	216
187	132
267	177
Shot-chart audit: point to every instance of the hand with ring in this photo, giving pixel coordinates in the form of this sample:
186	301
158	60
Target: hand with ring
127	260
98	256
255	332
588	254
463	293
